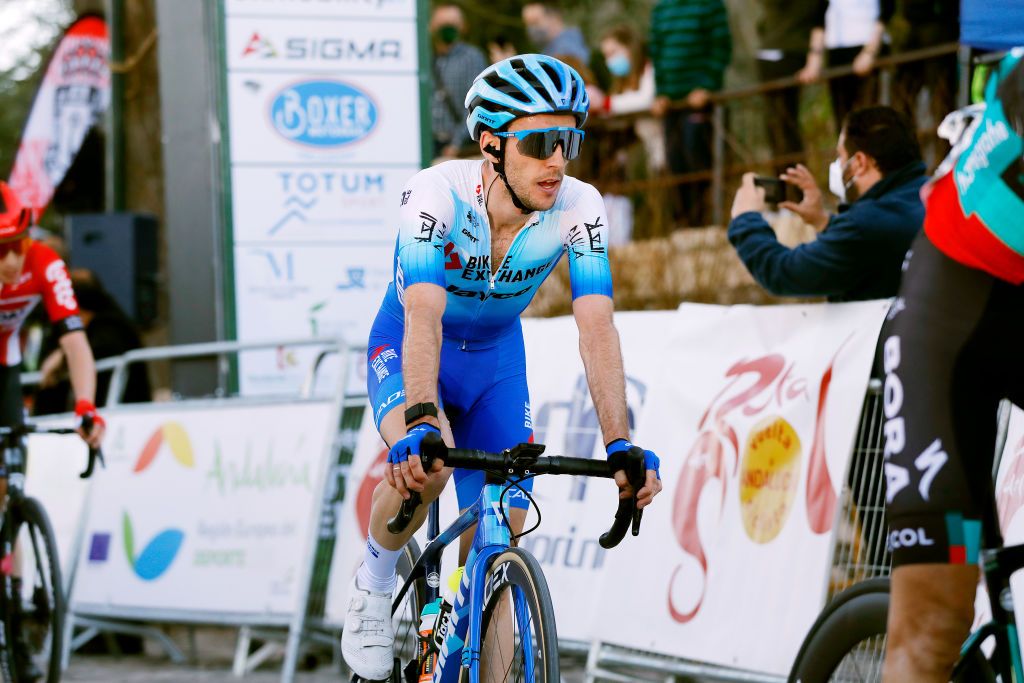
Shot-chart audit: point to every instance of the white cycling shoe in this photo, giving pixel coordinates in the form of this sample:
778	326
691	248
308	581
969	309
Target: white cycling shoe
368	639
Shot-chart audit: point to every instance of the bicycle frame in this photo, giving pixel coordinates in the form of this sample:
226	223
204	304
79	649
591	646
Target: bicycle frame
491	539
998	566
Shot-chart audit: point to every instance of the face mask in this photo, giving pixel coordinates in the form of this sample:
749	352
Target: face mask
619	65
448	34
538	35
836	184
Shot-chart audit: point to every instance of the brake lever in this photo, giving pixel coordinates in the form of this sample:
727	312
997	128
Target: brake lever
637	475
628	515
95	454
432	447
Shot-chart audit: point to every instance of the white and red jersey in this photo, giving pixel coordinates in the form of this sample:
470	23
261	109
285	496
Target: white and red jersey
44	277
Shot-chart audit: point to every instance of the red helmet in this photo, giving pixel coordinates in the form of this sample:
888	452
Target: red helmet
14	218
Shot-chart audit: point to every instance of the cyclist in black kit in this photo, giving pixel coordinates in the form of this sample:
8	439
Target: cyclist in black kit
953	347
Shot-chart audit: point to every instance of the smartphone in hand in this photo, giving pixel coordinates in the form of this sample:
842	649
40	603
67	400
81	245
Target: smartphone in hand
777	191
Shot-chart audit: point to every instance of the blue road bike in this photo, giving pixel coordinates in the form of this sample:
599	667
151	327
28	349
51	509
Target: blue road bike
502	621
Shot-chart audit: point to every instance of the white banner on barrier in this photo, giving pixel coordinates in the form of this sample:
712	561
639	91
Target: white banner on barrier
54	463
577	510
754	418
204	511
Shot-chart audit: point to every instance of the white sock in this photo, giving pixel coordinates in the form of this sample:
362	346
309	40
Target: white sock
377	572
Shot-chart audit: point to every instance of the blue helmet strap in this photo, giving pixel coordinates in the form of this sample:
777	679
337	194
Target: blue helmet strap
499	168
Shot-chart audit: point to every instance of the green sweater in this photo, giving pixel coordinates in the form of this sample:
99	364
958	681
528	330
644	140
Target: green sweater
690	46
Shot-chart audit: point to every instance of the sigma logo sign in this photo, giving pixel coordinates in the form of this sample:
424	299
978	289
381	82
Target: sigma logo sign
323	114
326	49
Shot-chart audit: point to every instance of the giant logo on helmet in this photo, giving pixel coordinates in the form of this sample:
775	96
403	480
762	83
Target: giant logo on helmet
323	113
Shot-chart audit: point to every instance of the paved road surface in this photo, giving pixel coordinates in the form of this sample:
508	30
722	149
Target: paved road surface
214	650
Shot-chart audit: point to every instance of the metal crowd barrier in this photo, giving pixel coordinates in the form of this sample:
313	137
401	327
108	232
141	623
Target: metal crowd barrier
292	634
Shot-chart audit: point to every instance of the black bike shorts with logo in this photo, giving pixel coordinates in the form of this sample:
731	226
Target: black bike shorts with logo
952	348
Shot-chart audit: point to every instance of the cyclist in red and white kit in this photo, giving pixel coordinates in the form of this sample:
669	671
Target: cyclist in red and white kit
31	272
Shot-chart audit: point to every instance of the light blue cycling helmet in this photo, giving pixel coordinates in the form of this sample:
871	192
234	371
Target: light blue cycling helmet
521	86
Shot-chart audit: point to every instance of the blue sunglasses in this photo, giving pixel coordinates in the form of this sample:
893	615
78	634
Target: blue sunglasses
540	143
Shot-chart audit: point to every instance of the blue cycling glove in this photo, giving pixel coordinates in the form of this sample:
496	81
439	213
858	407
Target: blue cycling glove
410	443
651	461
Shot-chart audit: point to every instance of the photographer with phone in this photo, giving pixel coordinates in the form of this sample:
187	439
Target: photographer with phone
858	253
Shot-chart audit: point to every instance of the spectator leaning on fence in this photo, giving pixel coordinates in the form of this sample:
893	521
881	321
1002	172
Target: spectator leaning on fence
792	43
877	176
690	48
456	64
632	88
546	28
853	37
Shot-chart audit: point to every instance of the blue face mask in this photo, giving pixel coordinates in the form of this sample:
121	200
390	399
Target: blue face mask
619	65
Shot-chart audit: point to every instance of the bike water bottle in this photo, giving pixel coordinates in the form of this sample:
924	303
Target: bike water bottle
428	655
444	617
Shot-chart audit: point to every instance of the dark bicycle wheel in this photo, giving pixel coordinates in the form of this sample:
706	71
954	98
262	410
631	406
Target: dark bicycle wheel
520	642
846	644
39	623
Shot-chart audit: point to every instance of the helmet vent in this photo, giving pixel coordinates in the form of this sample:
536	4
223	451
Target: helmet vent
536	84
501	85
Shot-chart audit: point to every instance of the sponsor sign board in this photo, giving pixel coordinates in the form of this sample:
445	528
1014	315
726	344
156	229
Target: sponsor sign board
286	44
250	476
318	204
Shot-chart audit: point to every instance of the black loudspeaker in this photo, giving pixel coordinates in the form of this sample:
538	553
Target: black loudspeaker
121	248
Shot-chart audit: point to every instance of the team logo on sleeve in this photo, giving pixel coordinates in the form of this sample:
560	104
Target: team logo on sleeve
57	274
594	234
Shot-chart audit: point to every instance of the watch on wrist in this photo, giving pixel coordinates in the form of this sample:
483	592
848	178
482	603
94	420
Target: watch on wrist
420	410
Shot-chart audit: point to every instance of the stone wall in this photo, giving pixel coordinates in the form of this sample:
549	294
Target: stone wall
695	265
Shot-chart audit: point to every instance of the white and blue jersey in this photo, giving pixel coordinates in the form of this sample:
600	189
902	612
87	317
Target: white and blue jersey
444	238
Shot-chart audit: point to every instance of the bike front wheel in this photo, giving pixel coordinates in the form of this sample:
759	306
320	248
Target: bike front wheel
519	638
39	623
846	644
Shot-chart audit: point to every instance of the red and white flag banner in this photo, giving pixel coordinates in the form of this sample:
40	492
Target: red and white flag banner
73	96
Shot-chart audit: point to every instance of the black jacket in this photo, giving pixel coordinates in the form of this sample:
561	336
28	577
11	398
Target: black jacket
857	256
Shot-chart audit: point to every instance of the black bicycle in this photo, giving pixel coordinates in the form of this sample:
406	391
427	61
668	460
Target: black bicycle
847	642
32	600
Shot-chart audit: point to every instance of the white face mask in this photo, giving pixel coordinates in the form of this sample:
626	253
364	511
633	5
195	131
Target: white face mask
836	184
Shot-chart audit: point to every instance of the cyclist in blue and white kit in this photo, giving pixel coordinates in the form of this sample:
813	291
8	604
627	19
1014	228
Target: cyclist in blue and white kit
476	240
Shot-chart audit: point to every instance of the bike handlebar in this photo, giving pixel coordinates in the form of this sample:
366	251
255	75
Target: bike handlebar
95	454
525	459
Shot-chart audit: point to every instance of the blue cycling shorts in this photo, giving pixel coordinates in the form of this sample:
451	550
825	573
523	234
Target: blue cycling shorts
482	390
